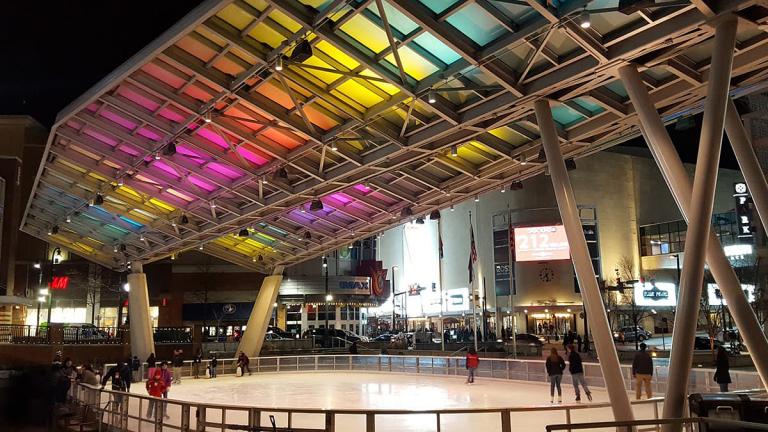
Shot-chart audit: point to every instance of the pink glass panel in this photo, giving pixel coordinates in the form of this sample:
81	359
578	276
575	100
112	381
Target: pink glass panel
165	167
119	120
201	184
138	98
225	170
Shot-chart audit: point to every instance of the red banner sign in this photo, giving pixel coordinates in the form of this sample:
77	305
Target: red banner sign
59	282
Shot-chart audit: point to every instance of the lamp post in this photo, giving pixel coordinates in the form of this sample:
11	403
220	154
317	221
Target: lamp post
55	256
328	298
394	290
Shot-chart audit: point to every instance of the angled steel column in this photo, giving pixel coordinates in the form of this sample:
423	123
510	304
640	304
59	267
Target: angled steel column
253	338
748	163
699	210
142	335
566	202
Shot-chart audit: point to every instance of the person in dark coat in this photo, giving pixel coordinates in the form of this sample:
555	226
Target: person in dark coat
120	382
722	367
576	368
642	371
555	366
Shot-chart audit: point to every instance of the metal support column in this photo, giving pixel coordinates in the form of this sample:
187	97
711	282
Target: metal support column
253	338
142	334
699	210
566	202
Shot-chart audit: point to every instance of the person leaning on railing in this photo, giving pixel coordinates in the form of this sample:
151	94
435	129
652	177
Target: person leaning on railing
642	371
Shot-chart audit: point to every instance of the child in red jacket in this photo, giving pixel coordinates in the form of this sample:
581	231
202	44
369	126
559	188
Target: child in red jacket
473	361
155	387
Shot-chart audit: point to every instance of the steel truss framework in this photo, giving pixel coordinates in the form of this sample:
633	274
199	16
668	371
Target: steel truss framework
218	126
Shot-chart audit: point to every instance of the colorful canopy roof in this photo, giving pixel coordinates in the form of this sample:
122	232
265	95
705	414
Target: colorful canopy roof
247	111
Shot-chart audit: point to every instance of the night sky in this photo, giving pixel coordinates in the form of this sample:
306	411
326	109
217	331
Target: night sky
54	51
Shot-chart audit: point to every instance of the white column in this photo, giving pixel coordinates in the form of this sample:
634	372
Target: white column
566	202
253	338
142	336
699	212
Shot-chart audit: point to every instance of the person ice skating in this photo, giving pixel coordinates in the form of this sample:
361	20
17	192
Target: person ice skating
118	382
155	387
63	374
353	348
555	366
212	365
135	366
167	378
722	367
579	342
642	371
178	363
196	363
242	362
576	368
473	361
151	364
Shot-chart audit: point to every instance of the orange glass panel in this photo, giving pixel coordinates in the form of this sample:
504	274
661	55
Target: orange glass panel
278	95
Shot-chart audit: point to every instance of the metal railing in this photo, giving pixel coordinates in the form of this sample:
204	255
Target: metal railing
85	334
199	416
722	424
24	334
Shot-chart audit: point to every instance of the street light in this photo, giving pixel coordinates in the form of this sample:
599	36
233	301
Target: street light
394	290
55	258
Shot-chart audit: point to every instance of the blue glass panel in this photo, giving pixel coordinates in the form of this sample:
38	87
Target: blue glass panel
437	48
477	24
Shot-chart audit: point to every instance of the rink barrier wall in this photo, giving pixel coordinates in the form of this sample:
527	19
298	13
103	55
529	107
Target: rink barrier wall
125	411
701	380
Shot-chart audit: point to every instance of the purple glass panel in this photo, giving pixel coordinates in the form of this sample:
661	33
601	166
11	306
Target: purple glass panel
201	184
165	167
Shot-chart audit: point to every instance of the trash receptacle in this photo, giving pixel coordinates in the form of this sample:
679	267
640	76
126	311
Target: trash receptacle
721	406
756	410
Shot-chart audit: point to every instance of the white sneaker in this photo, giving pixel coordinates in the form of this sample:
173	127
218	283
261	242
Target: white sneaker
559	399
552	400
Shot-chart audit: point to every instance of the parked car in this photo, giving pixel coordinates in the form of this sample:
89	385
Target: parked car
383	338
630	334
280	332
703	343
427	337
354	337
529	339
270	336
329	338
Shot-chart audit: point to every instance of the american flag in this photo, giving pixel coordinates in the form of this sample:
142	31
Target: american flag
472	253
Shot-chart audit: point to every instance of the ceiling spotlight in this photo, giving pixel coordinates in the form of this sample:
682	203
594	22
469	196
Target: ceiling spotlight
99	200
173	256
114	248
350	246
55	229
243	233
435	215
503	189
570	164
69	219
253	259
523	162
584	20
170	149
316	205
279	63
452	207
334	146
281	173
157	156
454	151
213	204
123	248
173	223
325	262
184	219
477	198
307	235
406	212
120	182
200	247
431	97
542	157
420	220
141	237
261	258
302	209
207	117
516	185
89	203
302	52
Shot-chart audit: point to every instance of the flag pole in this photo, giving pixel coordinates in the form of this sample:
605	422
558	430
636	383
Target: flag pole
512	282
471	284
440	281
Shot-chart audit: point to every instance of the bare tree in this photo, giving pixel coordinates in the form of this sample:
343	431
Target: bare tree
710	320
625	285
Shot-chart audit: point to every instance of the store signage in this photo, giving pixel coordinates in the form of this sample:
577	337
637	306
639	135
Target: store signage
541	243
457	300
415	289
354	285
737	250
716	297
59	282
229	308
743	210
655	294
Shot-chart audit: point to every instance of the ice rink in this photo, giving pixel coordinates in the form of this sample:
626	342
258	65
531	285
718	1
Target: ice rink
386	391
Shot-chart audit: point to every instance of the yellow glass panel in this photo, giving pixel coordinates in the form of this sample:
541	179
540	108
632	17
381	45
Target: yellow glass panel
266	237
359	93
235	16
83	246
337	54
161	205
181	195
389	88
258	4
94	240
98	177
130	192
69	165
414	64
327	77
264	33
285	21
367	33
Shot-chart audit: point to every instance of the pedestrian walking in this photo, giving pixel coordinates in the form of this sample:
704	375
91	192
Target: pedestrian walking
579	342
555	366
155	387
576	368
212	365
473	361
178	363
642	371
722	369
196	363
135	366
